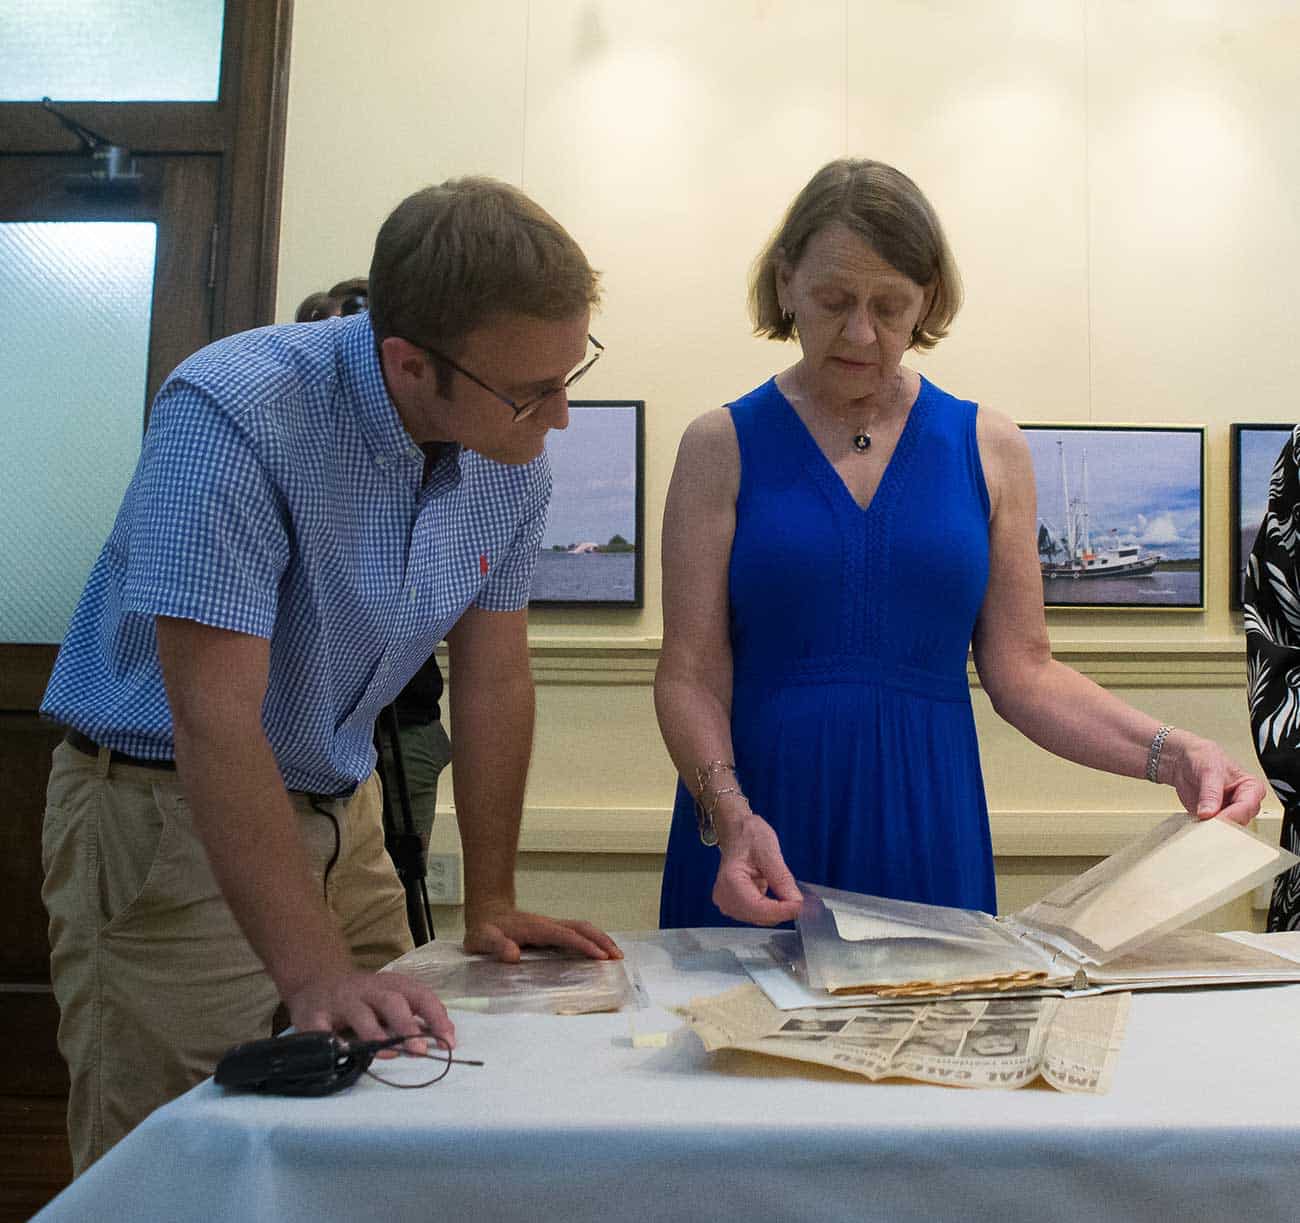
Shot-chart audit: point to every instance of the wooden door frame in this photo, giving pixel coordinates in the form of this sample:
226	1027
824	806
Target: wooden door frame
178	193
243	133
245	130
245	127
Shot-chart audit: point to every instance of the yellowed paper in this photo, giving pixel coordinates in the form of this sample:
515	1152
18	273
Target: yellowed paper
1072	1043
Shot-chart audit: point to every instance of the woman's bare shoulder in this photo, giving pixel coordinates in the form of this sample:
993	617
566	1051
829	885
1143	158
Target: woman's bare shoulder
997	428
711	432
708	456
1001	440
1004	454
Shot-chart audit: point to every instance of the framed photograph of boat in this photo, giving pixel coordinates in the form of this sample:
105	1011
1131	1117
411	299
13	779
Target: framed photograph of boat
1255	449
592	551
1121	515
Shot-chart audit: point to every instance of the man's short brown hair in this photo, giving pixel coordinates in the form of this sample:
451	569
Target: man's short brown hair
887	210
451	258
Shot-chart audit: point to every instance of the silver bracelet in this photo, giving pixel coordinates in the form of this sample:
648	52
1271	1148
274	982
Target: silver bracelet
1153	754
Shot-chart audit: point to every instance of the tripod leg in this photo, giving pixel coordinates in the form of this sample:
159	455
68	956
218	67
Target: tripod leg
403	845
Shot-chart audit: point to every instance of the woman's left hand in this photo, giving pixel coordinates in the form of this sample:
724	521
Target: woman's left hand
1209	782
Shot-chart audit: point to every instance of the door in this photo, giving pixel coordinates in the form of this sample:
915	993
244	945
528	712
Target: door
100	296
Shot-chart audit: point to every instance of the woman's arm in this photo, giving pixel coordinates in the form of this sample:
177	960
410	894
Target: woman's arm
693	681
1050	703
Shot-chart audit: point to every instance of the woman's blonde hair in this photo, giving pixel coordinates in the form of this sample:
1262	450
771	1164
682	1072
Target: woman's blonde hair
886	210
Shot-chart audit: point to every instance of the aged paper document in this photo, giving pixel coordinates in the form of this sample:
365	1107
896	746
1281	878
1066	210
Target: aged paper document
1179	871
1072	1043
857	945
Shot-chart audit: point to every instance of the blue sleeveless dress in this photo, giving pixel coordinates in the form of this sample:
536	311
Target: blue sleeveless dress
851	714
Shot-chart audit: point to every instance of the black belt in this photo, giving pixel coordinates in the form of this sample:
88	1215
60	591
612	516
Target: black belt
83	743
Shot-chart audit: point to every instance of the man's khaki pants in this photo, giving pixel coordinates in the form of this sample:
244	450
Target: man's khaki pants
153	978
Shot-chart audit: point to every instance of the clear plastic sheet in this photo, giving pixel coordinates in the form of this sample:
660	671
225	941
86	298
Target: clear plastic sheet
1182	869
542	983
858	944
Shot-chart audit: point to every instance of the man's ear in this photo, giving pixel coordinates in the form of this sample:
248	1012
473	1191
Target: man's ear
403	361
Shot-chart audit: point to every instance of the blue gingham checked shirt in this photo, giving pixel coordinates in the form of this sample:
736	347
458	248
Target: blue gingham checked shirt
278	494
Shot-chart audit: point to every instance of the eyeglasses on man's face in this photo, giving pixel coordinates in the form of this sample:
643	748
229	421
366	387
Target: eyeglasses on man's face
529	406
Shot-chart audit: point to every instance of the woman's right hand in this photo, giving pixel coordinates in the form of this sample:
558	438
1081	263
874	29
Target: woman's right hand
751	867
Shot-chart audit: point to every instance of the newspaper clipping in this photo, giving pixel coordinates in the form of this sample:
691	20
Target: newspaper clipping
1073	1043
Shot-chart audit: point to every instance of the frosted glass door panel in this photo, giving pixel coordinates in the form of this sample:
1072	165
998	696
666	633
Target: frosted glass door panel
75	306
118	51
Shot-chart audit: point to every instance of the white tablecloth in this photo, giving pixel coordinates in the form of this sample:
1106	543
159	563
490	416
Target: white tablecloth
568	1120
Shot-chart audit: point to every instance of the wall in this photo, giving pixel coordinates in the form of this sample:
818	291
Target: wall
1119	182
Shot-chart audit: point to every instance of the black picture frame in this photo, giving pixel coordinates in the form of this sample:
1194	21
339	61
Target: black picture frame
1141	493
1248	478
598	496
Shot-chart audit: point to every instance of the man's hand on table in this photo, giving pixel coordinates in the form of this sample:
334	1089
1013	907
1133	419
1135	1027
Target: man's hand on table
501	931
372	1006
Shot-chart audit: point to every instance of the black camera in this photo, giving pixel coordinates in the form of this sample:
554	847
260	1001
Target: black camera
296	1064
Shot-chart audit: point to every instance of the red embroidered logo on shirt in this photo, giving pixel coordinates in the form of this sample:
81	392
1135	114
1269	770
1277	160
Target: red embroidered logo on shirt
482	564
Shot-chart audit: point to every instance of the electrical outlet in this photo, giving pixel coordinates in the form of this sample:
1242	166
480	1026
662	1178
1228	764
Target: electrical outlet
444	880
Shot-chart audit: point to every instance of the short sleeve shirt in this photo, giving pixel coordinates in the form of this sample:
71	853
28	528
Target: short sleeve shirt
278	494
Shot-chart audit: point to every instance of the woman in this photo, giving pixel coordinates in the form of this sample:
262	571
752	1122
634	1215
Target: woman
834	542
1272	622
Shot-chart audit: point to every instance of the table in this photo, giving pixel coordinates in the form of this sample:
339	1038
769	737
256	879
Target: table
570	1120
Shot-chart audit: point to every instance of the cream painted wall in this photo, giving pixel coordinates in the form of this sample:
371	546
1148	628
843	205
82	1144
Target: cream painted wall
1119	179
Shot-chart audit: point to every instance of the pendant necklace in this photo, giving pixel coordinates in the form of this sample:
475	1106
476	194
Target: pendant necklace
862	438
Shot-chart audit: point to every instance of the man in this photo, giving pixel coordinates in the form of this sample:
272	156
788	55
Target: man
314	508
422	739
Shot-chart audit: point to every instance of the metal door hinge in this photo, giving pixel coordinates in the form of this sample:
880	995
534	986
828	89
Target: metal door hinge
212	256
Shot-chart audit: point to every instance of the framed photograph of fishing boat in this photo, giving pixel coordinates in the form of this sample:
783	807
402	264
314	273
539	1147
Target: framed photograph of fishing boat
592	552
1121	515
1255	449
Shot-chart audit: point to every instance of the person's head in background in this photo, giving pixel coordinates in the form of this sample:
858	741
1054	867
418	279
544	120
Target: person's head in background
347	297
480	302
315	307
352	295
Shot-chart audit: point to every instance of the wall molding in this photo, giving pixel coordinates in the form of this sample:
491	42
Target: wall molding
1016	833
1217	663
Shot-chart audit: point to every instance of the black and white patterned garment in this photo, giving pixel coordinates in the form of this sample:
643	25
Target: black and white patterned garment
1272	622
